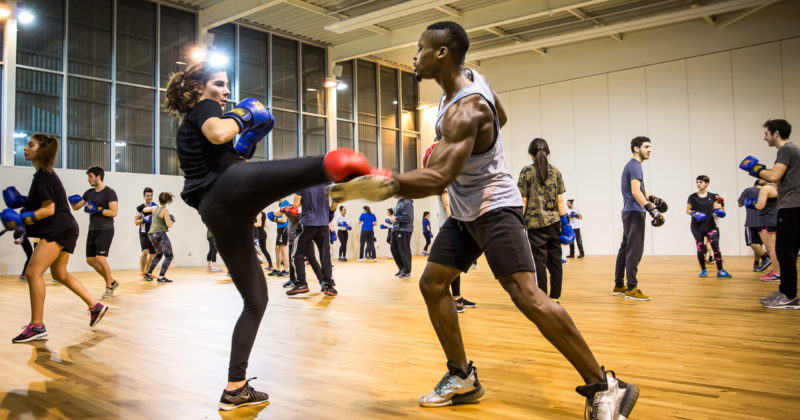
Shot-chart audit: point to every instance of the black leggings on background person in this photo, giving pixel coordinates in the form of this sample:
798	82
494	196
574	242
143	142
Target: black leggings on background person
228	208
212	251
699	241
163	247
262	243
342	235
368	241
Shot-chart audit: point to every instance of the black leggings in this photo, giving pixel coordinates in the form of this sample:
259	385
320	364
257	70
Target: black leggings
368	239
342	234
713	238
212	251
163	247
262	243
427	236
456	286
228	208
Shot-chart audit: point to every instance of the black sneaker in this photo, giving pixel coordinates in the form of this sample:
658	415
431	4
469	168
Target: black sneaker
711	258
756	265
404	276
241	397
459	307
283	273
581	256
765	262
329	290
296	290
288	284
465	303
571	256
163	279
31	333
147	277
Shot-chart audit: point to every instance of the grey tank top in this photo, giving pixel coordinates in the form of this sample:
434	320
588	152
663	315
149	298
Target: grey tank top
158	224
485	183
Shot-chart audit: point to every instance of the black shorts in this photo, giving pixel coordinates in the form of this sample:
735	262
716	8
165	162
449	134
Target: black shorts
144	242
66	238
751	236
499	233
282	237
98	242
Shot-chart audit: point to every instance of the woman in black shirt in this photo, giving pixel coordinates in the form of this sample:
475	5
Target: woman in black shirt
703	206
229	192
46	215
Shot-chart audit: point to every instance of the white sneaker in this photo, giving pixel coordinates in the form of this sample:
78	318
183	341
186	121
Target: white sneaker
611	399
451	389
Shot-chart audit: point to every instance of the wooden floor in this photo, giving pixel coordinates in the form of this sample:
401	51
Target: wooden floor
701	349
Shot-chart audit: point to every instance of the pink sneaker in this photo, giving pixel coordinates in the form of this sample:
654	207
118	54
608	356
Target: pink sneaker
771	276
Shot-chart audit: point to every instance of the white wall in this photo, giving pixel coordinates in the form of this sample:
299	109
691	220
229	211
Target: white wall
701	95
188	235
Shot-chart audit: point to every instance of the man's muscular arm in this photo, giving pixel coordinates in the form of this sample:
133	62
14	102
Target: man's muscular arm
460	127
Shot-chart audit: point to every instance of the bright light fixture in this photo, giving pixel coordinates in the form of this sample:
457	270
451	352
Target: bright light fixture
25	17
4	12
331	83
217	59
198	54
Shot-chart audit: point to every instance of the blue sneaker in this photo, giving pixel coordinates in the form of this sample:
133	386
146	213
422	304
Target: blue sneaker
723	274
703	273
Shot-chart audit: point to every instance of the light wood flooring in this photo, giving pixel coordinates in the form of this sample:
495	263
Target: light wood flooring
701	349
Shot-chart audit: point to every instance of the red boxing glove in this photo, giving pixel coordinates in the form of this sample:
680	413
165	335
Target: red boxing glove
345	164
290	210
427	155
720	200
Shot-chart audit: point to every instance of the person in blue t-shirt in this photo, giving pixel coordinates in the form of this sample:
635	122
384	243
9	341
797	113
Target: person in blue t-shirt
426	231
367	221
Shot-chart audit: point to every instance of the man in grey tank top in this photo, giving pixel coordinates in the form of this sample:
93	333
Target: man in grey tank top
486	217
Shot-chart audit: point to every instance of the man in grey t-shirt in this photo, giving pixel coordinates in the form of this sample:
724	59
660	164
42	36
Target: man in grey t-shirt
752	224
785	173
636	202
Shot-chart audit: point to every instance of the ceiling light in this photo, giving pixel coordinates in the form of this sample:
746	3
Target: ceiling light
25	17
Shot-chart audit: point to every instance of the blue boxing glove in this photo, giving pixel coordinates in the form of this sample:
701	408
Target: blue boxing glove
698	216
333	236
11	219
719	213
92	208
343	224
13	198
271	216
388	220
250	113
751	165
349	227
148	219
172	217
750	202
246	145
384	226
75	199
567	234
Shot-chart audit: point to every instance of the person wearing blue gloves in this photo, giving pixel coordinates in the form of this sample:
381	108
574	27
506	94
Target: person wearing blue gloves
705	207
342	232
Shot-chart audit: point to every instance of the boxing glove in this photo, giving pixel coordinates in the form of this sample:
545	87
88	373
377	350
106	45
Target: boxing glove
721	201
345	164
427	155
290	210
250	113
567	233
349	227
698	216
271	216
76	198
343	224
719	213
172	217
660	204
13	198
148	219
11	219
92	208
247	142
751	165
388	220
750	202
333	236
384	226
658	218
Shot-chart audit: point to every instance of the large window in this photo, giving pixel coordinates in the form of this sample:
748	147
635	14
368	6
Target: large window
90	38
136	41
98	84
344	107
38	109
134	143
87	123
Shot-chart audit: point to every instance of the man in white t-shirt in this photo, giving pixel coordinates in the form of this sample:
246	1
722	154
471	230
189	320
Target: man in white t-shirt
575	216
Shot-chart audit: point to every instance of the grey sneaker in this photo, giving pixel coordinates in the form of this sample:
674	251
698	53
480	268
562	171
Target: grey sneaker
243	396
453	389
783	302
611	399
770	297
108	293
